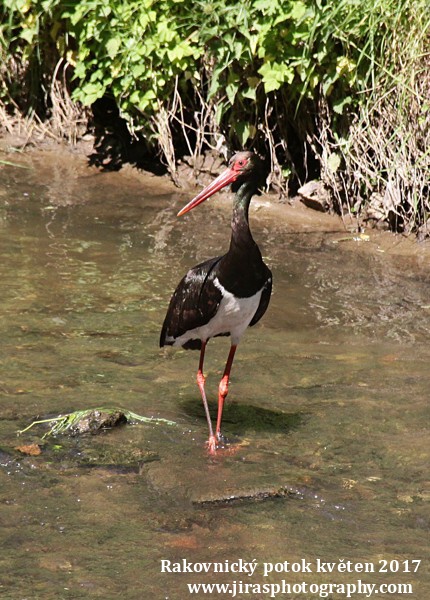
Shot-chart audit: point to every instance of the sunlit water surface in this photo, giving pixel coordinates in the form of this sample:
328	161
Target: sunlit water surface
328	400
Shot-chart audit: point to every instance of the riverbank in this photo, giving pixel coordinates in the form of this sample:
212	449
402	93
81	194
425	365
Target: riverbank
54	163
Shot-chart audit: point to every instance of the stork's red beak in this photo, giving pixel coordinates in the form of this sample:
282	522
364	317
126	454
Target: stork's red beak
226	177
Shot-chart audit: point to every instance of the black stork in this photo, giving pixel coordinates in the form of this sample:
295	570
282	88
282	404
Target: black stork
226	294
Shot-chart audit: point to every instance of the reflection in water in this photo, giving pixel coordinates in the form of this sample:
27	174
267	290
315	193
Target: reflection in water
328	401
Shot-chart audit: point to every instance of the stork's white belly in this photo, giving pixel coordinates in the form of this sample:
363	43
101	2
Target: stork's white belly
233	316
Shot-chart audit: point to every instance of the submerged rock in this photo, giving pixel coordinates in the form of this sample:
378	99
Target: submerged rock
257	494
121	460
96	420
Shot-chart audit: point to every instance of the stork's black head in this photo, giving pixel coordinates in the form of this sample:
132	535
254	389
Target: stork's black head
242	167
249	167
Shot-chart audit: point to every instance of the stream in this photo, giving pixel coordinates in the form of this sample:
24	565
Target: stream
327	411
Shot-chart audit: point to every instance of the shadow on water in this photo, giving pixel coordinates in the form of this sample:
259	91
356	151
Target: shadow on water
327	411
242	418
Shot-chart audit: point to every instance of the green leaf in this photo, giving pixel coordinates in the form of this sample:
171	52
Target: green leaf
340	104
147	100
244	132
250	93
138	70
275	74
220	111
298	10
231	91
333	162
28	34
91	92
112	46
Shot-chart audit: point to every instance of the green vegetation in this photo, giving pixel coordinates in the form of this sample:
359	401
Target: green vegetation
91	420
339	89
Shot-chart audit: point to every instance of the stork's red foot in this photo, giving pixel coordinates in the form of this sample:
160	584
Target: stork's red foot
215	442
220	445
211	444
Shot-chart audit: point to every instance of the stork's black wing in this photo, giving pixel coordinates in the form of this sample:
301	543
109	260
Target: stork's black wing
265	298
193	304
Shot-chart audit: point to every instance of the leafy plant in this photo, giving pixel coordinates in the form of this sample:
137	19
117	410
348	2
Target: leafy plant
290	78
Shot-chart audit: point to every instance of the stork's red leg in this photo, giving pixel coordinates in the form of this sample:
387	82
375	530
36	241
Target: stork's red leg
223	389
201	383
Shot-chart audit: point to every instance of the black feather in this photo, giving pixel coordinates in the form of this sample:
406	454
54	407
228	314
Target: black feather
193	304
264	300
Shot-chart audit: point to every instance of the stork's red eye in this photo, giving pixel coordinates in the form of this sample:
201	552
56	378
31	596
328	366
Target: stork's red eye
239	164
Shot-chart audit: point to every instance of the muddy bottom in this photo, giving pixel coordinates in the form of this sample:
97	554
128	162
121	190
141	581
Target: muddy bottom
327	414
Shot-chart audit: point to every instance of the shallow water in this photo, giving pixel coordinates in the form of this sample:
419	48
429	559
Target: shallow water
327	411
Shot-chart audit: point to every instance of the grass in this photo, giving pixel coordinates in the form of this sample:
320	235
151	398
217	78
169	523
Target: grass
378	169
